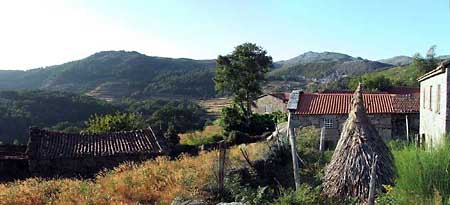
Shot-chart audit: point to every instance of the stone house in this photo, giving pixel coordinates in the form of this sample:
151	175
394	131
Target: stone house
68	154
269	103
387	112
434	109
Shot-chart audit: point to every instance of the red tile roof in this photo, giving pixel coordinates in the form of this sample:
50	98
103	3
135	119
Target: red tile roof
339	103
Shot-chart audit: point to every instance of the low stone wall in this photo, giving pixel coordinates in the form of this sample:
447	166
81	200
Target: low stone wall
12	168
80	167
389	126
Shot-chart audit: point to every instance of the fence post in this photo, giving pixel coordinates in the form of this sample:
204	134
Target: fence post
293	143
221	174
372	183
322	139
407	128
417	141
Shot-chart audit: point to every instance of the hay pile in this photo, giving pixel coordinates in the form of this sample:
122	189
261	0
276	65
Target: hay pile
348	174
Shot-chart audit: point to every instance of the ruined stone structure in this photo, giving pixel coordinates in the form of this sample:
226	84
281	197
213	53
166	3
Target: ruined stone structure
269	103
387	112
13	162
62	154
434	107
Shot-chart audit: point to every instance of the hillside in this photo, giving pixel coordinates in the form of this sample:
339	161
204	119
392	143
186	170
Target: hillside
68	112
324	66
115	74
20	110
398	60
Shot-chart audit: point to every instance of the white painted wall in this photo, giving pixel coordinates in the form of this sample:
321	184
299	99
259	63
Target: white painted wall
432	123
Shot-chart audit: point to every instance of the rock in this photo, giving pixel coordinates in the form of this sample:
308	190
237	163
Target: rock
182	201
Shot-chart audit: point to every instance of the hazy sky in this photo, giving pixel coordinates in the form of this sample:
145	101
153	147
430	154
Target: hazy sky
42	33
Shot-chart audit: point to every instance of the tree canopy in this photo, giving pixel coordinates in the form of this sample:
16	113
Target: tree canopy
242	74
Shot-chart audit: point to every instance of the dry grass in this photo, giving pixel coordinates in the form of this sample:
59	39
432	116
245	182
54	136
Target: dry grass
215	105
156	181
201	137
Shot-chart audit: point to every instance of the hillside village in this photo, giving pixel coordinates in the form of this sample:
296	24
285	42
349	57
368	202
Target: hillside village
314	123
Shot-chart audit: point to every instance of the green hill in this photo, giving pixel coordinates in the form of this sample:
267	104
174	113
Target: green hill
323	66
130	73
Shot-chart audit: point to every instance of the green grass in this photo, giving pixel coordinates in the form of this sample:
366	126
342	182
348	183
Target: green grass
423	176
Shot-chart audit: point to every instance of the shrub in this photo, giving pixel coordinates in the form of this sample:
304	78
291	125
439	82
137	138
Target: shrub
116	122
237	137
305	195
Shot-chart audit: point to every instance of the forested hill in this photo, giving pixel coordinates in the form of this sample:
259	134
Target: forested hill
68	112
115	74
324	66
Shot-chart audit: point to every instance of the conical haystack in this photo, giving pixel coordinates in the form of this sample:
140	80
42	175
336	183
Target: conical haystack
348	174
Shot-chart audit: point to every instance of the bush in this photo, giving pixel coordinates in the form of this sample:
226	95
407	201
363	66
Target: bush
237	137
232	119
305	195
113	123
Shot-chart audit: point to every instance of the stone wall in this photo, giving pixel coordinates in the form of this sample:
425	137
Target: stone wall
382	122
84	167
269	104
13	162
13	168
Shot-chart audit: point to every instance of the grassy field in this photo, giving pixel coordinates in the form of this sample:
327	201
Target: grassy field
215	105
156	181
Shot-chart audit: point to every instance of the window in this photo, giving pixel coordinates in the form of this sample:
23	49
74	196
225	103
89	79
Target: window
438	99
424	97
430	97
328	123
268	108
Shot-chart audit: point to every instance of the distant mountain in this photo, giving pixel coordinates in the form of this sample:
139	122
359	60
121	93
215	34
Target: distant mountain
116	74
314	57
397	60
323	66
444	57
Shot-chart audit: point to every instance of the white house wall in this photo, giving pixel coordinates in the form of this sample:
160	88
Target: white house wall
433	124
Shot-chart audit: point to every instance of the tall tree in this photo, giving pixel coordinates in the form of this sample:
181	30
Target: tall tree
428	63
242	74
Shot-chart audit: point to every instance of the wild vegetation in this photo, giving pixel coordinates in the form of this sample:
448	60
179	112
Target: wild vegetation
157	181
68	112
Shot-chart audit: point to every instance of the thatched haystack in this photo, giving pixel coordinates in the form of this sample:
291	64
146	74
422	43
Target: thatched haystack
348	174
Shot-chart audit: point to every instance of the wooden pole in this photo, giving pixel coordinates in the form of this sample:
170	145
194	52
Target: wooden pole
221	174
322	139
294	152
407	128
372	183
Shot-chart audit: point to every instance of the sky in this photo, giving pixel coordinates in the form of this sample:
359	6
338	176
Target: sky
50	32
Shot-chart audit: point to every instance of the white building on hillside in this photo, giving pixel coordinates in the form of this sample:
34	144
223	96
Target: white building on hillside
434	106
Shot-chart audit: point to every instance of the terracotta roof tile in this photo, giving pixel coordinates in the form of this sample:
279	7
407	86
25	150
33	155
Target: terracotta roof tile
339	103
46	144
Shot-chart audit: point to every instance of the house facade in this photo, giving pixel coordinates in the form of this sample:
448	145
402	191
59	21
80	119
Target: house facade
389	113
434	107
272	102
